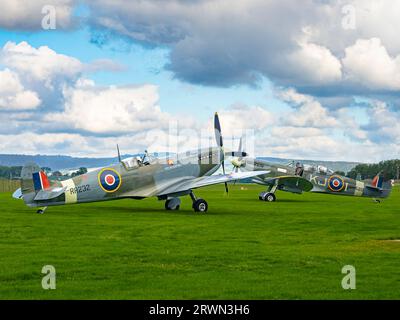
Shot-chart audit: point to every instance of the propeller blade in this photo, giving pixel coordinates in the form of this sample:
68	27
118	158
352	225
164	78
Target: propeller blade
217	129
240	149
220	143
119	155
223	170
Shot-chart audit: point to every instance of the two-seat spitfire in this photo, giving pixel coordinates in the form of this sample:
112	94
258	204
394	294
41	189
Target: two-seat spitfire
167	179
303	178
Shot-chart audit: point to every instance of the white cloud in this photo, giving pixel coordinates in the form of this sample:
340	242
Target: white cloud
323	145
348	123
369	63
242	117
383	123
46	143
292	47
90	119
315	64
295	132
308	111
13	94
39	64
111	109
27	15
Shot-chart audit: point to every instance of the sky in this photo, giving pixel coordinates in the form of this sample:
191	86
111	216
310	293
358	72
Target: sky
311	79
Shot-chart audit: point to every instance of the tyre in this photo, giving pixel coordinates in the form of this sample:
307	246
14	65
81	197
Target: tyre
173	204
269	197
200	205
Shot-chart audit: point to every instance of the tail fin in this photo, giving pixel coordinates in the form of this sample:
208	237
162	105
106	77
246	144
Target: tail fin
40	181
378	185
377	181
33	179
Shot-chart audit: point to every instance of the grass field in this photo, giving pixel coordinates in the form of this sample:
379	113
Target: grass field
241	249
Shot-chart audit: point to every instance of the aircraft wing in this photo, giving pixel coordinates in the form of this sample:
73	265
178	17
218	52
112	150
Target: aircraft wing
293	184
210	180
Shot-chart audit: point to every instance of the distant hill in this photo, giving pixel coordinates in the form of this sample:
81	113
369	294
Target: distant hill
55	162
58	162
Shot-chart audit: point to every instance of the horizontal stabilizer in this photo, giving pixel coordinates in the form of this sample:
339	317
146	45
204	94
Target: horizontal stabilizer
374	188
49	193
17	194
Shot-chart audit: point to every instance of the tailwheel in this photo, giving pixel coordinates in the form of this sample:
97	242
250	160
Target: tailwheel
41	210
173	204
200	205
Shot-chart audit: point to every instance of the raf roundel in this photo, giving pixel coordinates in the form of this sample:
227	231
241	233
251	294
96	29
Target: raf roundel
335	184
109	180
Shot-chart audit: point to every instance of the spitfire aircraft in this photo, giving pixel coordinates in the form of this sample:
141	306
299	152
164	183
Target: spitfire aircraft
303	178
135	178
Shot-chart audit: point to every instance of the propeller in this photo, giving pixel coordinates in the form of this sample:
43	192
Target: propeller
220	144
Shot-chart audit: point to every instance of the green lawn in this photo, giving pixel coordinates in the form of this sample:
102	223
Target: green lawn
241	249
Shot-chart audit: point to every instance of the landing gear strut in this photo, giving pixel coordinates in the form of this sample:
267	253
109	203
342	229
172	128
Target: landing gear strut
199	205
41	210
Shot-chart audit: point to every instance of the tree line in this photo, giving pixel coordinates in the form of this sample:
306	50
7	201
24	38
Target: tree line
12	173
390	169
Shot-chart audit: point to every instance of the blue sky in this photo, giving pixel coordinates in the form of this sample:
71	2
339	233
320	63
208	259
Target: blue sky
307	84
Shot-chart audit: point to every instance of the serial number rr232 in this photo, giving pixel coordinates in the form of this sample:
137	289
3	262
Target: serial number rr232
80	189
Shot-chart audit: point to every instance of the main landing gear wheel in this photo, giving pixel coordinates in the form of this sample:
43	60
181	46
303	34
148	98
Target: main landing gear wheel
200	205
267	196
270	197
173	204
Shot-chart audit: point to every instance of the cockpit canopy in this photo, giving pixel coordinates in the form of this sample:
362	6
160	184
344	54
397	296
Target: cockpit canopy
318	169
132	163
138	161
324	170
